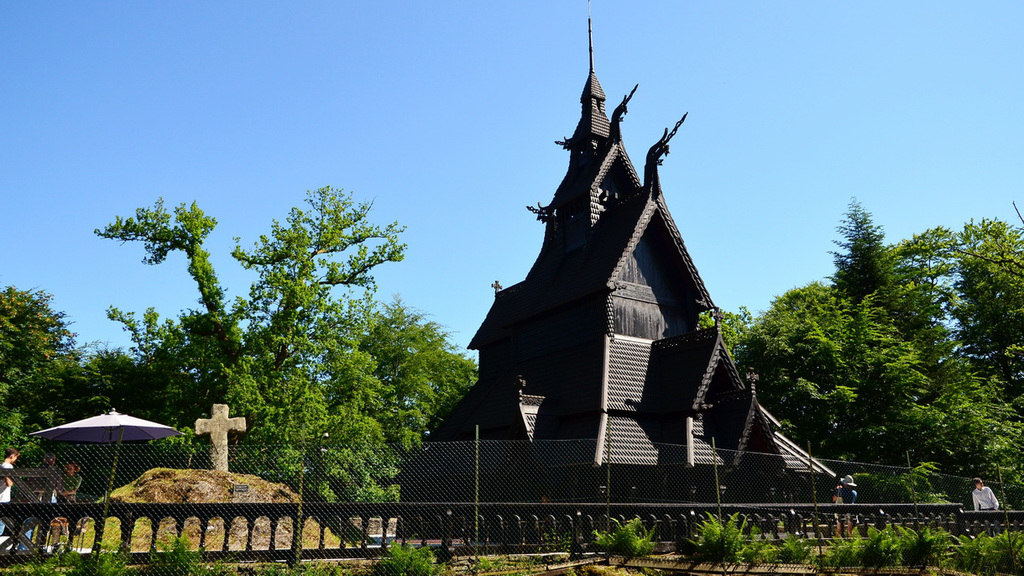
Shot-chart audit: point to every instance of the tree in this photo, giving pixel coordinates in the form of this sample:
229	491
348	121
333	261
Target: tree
863	266
307	355
869	368
989	278
286	355
36	345
422	374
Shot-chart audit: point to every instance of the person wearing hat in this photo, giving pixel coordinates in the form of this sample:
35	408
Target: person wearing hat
845	494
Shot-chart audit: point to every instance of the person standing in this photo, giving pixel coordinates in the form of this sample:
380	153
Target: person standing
845	494
985	500
983	496
10	457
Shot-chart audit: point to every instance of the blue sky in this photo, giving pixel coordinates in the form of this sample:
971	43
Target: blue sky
444	114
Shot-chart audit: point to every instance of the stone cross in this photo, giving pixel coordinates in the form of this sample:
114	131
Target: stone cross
218	426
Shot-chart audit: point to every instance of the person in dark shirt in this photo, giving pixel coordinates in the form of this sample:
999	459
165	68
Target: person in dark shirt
845	494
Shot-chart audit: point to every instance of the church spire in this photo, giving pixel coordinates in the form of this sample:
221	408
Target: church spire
593	125
590	36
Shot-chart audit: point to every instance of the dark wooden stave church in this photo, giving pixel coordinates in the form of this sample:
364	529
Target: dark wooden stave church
601	345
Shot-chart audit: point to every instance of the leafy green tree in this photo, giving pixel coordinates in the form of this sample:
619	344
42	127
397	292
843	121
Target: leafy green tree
36	347
307	355
869	367
286	355
422	374
989	278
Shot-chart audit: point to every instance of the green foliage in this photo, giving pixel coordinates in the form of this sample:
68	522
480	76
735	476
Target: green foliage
882	547
555	541
795	550
176	558
970	554
914	485
735	325
864	265
45	566
305	354
844	552
888	358
1006	552
924	547
422	374
720	541
103	564
306	569
406	560
988	555
36	348
631	539
759	551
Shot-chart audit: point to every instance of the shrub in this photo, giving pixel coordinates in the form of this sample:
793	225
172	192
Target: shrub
37	567
720	541
1005	552
969	554
406	560
924	547
759	552
176	558
630	539
794	550
882	548
844	552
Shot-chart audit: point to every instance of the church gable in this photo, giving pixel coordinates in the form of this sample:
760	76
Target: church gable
653	296
721	379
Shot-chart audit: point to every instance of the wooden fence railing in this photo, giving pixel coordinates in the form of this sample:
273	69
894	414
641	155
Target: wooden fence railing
254	532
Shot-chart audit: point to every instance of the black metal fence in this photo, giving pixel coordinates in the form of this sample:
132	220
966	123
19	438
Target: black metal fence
460	498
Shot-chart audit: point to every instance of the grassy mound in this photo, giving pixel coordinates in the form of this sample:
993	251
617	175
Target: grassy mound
170	486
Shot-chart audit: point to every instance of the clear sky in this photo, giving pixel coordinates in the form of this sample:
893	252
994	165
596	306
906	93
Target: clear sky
444	114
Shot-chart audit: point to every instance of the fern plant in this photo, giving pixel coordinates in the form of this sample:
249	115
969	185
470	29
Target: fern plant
843	553
923	547
631	539
405	560
882	547
1005	552
720	541
794	550
970	554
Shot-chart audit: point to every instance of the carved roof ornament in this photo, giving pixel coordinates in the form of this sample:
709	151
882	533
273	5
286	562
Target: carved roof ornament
619	114
496	286
718	316
656	155
543	212
752	378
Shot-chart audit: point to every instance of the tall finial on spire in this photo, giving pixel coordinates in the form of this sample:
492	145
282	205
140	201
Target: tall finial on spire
590	35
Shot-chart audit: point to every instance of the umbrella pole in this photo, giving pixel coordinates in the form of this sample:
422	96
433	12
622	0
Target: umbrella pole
102	524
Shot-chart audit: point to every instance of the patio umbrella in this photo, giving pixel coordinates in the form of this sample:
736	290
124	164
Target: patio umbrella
106	429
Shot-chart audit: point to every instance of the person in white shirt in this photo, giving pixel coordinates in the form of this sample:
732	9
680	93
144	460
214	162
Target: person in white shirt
10	456
984	498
